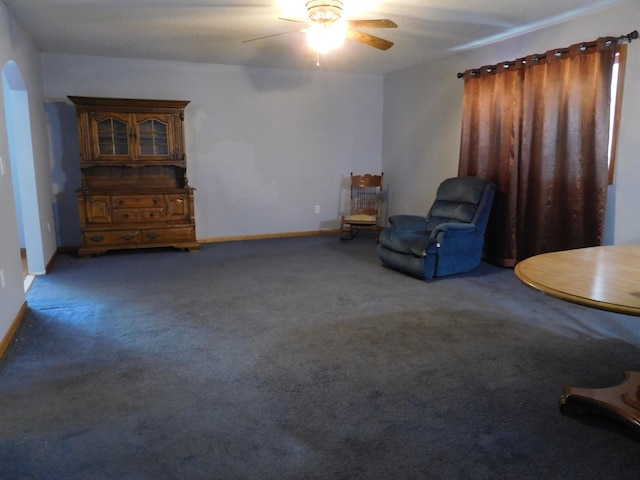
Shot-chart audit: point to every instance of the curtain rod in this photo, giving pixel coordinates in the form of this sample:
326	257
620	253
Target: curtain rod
621	39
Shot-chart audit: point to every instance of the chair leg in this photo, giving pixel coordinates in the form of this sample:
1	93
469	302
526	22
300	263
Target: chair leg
351	232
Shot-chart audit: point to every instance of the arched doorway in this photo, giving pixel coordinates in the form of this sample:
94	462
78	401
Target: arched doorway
16	102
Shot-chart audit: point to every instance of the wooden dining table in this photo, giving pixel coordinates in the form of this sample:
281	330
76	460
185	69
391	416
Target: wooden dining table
606	278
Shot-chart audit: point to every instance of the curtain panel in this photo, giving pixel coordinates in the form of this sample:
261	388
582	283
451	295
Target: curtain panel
538	127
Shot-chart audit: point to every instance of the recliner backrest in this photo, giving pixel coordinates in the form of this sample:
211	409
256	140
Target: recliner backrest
458	200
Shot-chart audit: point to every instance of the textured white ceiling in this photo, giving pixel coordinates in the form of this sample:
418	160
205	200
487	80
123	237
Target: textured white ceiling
212	31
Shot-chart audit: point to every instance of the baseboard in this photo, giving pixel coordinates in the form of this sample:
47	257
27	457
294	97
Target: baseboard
267	236
234	238
6	341
52	260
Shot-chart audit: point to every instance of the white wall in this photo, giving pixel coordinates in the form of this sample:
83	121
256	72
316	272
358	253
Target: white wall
264	146
423	109
17	47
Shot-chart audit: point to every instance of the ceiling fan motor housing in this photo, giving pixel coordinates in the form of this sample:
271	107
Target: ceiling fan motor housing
324	11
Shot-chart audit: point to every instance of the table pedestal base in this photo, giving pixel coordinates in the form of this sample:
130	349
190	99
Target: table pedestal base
623	400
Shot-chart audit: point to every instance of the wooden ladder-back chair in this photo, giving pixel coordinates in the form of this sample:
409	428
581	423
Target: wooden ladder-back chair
365	204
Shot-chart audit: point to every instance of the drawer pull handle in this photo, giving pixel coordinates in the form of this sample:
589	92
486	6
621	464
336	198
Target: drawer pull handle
126	215
155	200
153	236
97	238
151	215
128	237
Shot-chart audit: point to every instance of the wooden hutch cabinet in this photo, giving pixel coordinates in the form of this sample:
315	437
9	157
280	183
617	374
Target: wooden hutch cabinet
135	191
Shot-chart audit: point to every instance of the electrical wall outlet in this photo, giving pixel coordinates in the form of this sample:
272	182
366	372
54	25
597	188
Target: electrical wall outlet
317	208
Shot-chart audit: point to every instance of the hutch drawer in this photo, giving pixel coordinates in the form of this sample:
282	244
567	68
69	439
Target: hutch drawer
168	235
139	215
134	201
112	237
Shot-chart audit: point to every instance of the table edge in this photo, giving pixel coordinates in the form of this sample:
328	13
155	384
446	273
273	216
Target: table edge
611	307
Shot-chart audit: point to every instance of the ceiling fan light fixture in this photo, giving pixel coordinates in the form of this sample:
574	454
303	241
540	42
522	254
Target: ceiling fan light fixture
324	11
327	29
325	37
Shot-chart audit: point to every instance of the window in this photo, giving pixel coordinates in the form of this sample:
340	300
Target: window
617	83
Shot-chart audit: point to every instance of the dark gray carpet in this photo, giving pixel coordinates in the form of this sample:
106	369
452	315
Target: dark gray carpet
304	358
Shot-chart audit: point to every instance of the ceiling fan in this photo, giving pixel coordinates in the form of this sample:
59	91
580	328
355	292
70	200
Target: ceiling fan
326	29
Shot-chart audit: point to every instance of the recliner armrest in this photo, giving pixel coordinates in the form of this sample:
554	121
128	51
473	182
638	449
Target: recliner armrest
454	228
451	230
408	222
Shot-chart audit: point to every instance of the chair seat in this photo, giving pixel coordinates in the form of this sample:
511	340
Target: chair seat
361	218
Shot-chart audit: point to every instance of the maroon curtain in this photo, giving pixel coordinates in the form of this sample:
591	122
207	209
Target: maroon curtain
490	125
539	128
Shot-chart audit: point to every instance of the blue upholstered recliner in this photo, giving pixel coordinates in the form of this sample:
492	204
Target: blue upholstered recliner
449	239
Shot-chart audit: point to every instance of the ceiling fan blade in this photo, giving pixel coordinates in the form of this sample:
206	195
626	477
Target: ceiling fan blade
379	23
272	35
370	40
293	20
